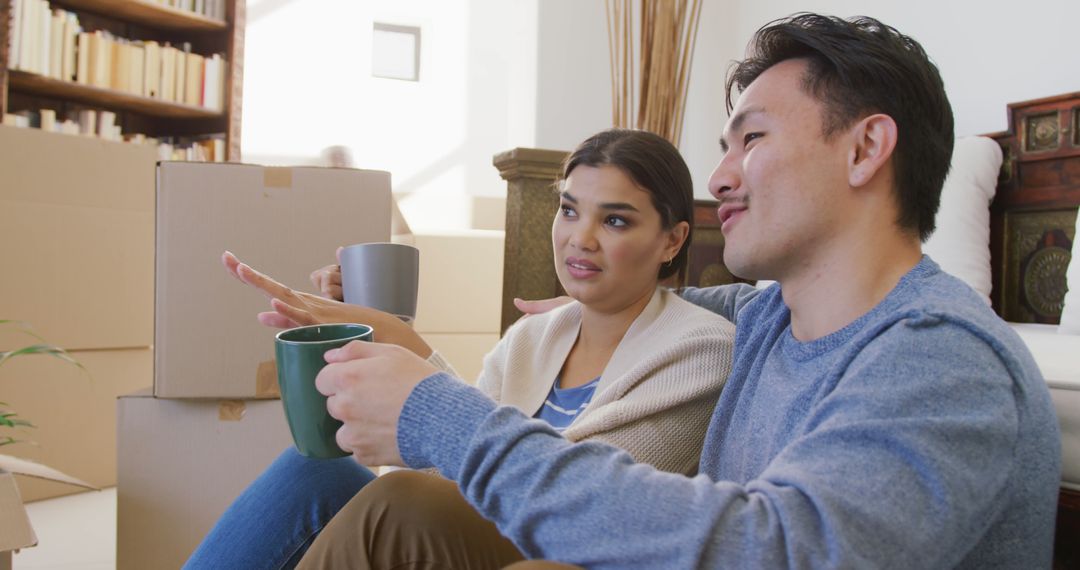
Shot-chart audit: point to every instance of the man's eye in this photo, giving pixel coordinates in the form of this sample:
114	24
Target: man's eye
567	211
749	137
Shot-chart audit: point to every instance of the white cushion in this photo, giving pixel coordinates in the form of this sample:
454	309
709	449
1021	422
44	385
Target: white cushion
1058	357
1070	313
961	243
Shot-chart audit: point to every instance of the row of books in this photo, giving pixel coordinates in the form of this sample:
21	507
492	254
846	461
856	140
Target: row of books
52	43
102	124
210	8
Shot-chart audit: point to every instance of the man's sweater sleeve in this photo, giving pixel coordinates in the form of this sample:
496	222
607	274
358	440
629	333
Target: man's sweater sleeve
883	477
724	300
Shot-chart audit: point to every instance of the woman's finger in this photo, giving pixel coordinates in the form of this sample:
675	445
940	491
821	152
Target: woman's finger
295	314
263	282
276	320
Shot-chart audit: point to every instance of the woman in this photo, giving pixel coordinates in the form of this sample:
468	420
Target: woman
628	363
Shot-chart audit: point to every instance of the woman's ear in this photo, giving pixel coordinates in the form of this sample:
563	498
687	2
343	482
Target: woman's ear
873	142
676	238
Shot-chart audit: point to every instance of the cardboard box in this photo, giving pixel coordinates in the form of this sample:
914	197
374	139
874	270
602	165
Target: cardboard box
460	281
181	463
285	222
76	239
15	529
74	411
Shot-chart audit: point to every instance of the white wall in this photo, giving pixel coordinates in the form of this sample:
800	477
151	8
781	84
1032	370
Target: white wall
574	90
990	53
497	75
308	85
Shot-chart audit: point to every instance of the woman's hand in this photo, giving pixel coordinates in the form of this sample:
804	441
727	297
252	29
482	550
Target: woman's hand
328	279
297	308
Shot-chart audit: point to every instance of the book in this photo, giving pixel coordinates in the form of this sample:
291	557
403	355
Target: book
82	58
179	66
48	120
71	33
152	70
15	33
168	72
136	64
193	79
56	44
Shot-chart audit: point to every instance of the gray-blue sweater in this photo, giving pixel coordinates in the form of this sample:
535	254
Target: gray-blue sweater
919	436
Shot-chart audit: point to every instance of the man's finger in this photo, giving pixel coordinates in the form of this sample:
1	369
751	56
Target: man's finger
540	306
358	349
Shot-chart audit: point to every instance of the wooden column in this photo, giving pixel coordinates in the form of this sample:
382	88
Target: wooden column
531	201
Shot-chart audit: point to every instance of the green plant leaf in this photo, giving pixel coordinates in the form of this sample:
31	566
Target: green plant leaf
23	328
46	349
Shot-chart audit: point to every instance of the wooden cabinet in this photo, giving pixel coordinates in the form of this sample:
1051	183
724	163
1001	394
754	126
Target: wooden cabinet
140	21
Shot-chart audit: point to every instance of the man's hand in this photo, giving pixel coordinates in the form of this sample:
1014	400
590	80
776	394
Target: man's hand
366	385
328	279
540	306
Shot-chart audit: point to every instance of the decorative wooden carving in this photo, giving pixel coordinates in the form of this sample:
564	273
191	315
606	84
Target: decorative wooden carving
1033	215
1035	262
531	201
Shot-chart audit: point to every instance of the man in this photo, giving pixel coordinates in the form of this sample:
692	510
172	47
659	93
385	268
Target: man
879	414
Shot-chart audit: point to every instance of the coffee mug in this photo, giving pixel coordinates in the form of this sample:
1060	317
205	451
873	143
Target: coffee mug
382	276
300	356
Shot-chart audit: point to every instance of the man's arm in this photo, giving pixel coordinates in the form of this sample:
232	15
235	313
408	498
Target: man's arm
724	300
907	471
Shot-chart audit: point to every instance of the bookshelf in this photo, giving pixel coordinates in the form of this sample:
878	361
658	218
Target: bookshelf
139	21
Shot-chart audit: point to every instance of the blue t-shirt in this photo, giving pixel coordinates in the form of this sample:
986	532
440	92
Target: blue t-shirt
921	435
563	405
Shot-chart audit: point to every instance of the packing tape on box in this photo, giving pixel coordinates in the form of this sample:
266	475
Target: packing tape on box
266	384
231	410
277	177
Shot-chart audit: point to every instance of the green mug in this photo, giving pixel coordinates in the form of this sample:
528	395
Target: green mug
300	356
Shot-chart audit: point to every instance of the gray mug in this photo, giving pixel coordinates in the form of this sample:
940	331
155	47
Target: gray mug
382	276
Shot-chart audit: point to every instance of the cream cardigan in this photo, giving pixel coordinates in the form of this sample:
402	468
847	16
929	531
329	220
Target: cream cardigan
655	395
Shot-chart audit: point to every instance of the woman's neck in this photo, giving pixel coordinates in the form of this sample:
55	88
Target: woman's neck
604	328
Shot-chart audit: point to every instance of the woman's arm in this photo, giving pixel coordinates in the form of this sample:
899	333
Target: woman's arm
296	308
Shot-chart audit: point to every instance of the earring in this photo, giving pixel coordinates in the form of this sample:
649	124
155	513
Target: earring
668	262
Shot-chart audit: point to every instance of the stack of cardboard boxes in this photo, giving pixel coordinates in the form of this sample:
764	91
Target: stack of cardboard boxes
212	421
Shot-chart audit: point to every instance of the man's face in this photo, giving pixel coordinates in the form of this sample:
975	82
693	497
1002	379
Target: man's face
781	185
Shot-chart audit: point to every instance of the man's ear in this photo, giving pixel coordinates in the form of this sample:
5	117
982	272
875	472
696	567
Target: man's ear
873	141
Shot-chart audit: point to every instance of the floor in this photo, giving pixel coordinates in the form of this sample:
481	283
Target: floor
76	532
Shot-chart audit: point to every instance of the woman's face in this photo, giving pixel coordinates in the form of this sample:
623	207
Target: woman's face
608	239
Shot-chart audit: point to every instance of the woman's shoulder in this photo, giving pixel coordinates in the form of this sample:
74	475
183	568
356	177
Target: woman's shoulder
681	314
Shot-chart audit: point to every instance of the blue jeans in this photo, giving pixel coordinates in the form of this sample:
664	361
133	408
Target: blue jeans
274	521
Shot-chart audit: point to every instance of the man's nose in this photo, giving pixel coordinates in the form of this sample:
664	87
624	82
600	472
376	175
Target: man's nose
725	177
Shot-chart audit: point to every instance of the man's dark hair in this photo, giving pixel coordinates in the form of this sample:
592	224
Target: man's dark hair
859	67
655	165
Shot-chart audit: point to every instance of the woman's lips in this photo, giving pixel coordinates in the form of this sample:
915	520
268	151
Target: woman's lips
581	268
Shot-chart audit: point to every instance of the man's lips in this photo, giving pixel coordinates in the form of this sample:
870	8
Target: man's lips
729	211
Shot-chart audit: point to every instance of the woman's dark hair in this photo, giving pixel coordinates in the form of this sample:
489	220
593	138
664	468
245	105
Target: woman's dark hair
655	165
857	68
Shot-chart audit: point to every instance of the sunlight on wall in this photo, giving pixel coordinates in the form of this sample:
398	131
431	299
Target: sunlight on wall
308	85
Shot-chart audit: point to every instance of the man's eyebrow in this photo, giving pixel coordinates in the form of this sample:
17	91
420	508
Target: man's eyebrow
736	123
604	205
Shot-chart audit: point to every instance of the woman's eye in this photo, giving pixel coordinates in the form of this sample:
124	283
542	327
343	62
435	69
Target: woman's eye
567	211
616	222
750	137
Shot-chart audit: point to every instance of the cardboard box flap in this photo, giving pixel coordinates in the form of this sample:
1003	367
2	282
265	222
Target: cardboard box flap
32	469
15	529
